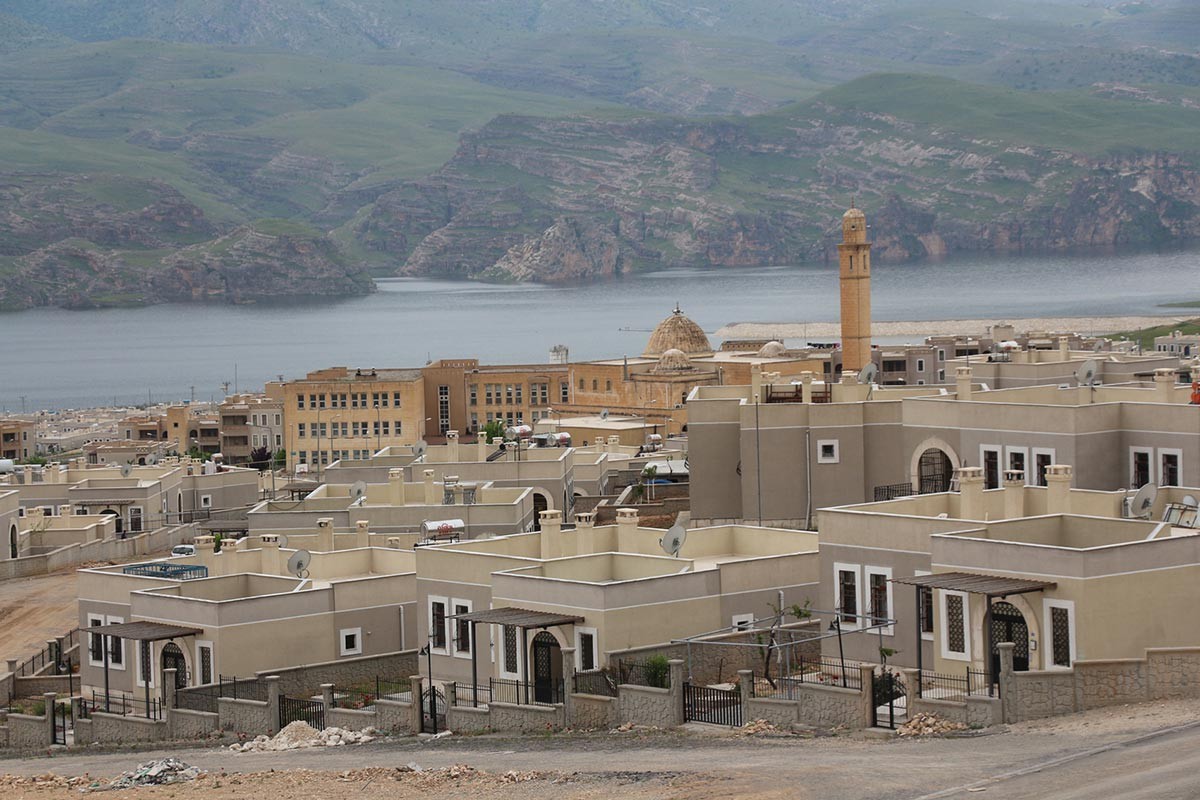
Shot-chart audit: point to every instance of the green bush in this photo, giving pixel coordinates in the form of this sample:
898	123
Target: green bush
658	671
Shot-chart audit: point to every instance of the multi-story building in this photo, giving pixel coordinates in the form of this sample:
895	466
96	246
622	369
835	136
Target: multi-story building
249	423
193	427
18	438
1178	345
463	395
338	413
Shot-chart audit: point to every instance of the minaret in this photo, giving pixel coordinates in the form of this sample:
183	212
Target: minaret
854	261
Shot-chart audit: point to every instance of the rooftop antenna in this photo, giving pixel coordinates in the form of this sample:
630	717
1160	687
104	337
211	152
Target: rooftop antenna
1143	502
298	563
672	541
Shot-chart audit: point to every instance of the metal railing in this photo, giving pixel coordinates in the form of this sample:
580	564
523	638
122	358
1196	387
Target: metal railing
940	686
51	657
821	670
522	693
126	705
656	674
242	688
596	681
465	694
893	491
364	696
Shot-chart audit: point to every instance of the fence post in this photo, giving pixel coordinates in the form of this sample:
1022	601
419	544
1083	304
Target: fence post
327	696
676	689
1008	687
415	710
48	700
746	684
912	690
568	669
169	689
866	678
272	704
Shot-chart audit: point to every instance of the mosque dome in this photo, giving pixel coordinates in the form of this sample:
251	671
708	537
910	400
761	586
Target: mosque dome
673	361
678	332
772	349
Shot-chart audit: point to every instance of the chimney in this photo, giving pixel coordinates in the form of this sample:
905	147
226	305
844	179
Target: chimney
396	486
614	444
325	535
204	550
452	446
806	381
585	533
849	377
1064	348
482	443
970	493
1164	385
756	381
627	525
431	498
362	533
962	377
1058	489
551	533
1014	493
270	561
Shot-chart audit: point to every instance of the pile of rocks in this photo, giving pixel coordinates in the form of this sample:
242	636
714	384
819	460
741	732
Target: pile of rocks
925	724
299	734
761	727
152	773
48	780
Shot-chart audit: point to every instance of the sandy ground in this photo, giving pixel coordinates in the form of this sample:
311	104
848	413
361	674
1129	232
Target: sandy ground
947	327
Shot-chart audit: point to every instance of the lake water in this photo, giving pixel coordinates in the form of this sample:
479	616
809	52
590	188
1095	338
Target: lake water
60	359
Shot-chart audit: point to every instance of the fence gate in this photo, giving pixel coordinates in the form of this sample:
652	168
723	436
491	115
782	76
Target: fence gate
433	710
63	721
715	706
890	700
292	709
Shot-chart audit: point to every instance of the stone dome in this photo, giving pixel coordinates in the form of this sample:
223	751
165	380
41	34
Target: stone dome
677	332
673	361
772	349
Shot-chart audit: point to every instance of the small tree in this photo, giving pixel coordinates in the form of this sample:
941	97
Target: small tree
260	458
280	458
494	429
648	474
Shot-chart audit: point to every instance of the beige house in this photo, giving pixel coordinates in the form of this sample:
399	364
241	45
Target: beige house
249	422
10	523
18	438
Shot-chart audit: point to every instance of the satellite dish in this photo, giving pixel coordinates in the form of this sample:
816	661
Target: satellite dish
420	447
1086	372
282	540
152	460
867	374
1098	346
672	541
1143	501
298	563
359	490
126	470
604	414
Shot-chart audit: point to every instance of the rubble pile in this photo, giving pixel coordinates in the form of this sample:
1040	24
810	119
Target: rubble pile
458	774
925	724
48	780
761	727
299	734
152	773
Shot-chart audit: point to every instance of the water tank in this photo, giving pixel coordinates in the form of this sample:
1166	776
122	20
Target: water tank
7	465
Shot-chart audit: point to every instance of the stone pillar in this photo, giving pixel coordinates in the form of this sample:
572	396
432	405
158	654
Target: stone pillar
866	675
912	688
396	486
970	493
746	685
452	446
13	662
272	704
327	696
1164	384
271	563
325	535
1064	348
1008	687
204	550
482	443
627	525
431	498
806	381
614	444
585	533
415	713
962	380
676	672
1058	489
1014	494
568	671
48	699
170	691
551	533
756	381
362	533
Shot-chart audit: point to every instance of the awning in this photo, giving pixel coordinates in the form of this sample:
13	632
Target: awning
519	618
974	583
145	631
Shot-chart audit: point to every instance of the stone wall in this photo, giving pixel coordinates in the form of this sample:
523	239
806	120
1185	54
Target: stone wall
526	719
1173	672
645	705
466	719
43	684
593	712
394	716
125	549
306	680
245	716
187	724
816	705
108	728
28	733
350	718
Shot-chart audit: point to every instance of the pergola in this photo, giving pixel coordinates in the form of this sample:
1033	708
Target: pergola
138	632
990	586
521	618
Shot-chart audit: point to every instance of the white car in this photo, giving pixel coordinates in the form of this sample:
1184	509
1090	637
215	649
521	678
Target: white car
183	550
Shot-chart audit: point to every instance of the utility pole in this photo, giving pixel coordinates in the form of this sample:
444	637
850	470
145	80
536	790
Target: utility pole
193	400
22	404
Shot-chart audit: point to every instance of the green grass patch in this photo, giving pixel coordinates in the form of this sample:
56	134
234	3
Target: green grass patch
1145	337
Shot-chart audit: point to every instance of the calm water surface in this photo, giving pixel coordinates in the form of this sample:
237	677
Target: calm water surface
61	359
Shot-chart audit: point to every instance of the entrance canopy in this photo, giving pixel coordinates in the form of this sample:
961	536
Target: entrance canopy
973	583
144	631
519	618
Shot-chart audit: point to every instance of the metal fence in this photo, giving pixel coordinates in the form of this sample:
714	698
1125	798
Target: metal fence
243	689
126	705
539	693
465	694
656	674
894	490
940	686
595	681
711	705
365	695
51	658
299	709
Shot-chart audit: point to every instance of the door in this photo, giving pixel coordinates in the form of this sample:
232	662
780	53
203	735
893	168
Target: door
934	471
172	658
1008	625
547	668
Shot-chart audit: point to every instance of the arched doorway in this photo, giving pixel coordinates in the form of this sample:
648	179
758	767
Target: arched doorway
934	471
172	658
117	514
547	668
1008	625
12	541
540	504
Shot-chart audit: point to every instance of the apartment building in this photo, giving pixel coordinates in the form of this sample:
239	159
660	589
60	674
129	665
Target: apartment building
193	427
1177	344
250	422
18	438
464	395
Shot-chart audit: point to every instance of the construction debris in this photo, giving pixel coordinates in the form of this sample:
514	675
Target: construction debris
48	780
152	773
926	724
761	727
299	734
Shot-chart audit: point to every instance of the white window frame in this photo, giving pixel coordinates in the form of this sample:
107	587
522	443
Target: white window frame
943	630
445	601
920	365
358	642
928	637
206	501
111	620
1001	461
504	673
96	621
139	678
837	453
198	676
838	568
741	622
868	571
1048	632
579	634
1169	451
1007	465
453	626
1034	452
1149	451
941	354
